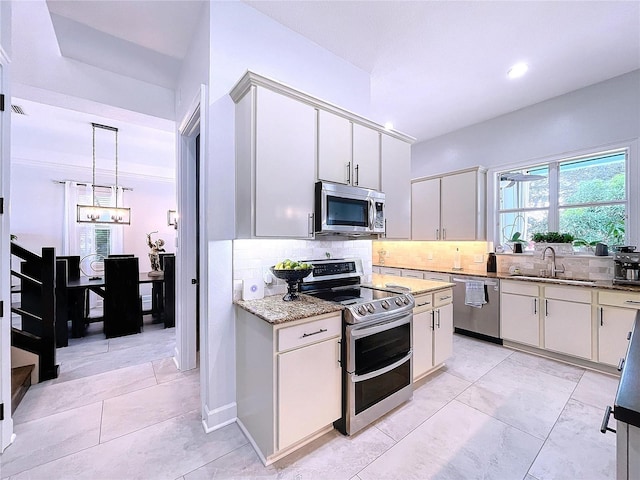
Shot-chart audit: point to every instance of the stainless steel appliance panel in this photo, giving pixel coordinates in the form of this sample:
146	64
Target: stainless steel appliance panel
484	320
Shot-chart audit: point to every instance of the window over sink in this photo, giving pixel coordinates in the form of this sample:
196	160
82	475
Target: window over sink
585	196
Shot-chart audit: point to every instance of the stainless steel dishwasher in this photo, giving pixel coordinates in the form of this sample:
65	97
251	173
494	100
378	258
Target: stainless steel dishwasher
475	318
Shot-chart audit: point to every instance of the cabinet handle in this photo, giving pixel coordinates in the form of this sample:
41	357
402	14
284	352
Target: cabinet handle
605	421
546	307
629	336
621	364
340	352
444	233
348	172
385	228
438	318
633	302
311	225
433	320
446	297
437	234
305	335
601	317
357	174
429	303
535	306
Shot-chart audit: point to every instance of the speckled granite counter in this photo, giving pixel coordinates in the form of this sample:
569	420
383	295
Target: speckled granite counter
274	310
416	285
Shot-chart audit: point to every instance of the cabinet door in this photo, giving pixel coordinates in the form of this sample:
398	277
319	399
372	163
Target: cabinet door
396	184
422	343
309	391
567	327
459	206
443	334
334	148
425	210
520	319
613	326
285	165
366	157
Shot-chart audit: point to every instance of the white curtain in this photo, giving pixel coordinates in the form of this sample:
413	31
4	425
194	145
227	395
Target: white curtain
71	235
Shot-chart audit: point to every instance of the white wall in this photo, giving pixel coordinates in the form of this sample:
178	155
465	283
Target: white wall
594	116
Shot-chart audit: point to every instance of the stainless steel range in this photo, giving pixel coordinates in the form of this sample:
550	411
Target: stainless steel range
377	342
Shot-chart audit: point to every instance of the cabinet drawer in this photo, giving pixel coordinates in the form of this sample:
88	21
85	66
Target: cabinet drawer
570	294
423	302
519	288
412	274
390	271
439	277
442	298
310	332
619	299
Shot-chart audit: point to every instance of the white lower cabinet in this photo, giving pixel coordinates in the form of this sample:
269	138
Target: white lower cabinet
567	320
432	331
520	313
288	381
616	314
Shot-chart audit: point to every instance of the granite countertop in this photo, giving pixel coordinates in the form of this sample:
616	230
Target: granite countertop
274	310
627	404
604	284
416	285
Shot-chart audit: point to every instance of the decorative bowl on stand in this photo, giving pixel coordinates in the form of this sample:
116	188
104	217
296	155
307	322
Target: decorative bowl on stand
293	279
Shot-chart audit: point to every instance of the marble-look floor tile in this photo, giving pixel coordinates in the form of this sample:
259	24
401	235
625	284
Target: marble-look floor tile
576	449
520	396
48	398
166	370
473	358
596	389
81	350
547	365
430	395
241	463
46	439
167	450
152	334
458	442
334	456
142	408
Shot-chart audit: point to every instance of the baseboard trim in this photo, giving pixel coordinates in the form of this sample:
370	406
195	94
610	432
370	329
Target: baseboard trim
219	417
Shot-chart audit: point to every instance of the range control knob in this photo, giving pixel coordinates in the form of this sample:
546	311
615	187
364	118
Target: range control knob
405	300
371	308
385	304
361	310
399	301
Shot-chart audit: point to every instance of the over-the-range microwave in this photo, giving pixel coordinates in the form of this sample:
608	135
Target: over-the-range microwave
347	210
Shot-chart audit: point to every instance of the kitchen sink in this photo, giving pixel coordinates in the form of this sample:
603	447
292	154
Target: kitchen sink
555	280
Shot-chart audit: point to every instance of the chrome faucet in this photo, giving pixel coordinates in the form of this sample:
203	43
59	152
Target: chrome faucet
554	268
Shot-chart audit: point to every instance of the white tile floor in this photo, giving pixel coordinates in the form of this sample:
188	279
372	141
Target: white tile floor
121	410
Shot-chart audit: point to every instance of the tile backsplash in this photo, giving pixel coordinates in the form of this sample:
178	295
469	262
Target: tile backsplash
252	258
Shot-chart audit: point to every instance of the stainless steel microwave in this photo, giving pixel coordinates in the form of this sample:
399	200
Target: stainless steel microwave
347	210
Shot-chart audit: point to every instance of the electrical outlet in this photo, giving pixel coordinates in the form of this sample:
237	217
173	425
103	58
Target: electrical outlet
478	258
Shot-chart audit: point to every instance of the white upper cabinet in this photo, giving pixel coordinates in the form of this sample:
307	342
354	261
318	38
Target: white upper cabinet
396	184
449	207
366	157
335	148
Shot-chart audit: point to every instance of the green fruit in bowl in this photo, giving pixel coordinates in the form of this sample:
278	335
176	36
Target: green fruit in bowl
291	265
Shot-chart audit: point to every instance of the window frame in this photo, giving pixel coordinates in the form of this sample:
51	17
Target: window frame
632	184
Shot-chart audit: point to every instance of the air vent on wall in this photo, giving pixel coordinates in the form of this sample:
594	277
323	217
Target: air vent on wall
17	109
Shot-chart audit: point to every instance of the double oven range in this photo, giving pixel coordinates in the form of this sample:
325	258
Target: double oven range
377	342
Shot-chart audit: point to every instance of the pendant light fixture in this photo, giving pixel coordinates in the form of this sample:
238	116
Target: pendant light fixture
96	213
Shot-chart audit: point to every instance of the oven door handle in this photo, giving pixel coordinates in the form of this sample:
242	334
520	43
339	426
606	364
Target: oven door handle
382	371
381	327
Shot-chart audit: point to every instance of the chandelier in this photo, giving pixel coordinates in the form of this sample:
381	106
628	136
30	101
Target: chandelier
96	213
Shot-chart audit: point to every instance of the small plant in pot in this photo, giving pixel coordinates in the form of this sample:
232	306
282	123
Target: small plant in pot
562	242
517	241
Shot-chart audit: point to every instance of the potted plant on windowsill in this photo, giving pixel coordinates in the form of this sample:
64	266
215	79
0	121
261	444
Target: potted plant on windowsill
562	243
517	241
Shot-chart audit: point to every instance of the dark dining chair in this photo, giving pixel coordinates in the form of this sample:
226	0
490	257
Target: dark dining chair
77	310
122	303
169	297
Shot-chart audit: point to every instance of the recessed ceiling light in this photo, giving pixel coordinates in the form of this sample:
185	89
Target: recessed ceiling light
518	70
388	126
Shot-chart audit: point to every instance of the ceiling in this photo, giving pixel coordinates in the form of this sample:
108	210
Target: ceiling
435	66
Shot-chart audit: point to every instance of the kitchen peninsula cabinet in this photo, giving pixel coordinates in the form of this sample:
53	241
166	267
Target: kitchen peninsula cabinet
275	172
449	207
432	331
289	381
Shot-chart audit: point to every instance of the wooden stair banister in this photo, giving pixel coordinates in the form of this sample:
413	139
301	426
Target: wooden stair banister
37	307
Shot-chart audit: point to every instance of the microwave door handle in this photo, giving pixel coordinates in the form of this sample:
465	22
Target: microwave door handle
372	213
